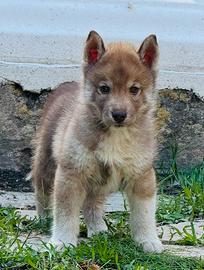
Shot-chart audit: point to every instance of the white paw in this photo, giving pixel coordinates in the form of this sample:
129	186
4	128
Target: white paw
60	244
151	245
96	229
57	244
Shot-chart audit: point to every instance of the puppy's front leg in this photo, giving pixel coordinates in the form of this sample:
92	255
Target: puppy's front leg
142	201
69	195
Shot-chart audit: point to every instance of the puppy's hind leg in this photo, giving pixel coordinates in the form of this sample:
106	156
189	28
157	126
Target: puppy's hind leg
43	179
93	213
42	197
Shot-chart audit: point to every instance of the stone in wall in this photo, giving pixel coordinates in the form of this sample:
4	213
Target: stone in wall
19	114
180	116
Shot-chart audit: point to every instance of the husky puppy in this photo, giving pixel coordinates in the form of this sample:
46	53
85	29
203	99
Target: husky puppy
97	137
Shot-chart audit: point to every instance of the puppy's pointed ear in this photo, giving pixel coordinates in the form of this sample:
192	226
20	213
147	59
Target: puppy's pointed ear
149	52
94	48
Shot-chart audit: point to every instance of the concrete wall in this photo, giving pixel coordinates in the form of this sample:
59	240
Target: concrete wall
41	41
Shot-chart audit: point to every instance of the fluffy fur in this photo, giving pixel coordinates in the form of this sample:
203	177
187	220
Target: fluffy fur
98	137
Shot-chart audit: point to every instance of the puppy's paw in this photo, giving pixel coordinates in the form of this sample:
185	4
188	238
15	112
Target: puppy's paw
151	245
96	229
57	244
60	244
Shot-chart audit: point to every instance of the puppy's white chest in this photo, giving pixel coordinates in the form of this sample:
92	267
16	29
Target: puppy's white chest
121	151
116	149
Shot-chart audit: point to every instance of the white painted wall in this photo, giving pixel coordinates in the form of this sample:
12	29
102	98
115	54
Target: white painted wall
41	41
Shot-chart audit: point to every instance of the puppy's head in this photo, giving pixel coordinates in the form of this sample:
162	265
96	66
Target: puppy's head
119	79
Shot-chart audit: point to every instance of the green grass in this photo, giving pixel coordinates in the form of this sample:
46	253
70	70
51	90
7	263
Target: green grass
114	250
187	201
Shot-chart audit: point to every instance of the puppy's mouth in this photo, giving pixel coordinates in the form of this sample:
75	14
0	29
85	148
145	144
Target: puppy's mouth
119	124
110	123
116	125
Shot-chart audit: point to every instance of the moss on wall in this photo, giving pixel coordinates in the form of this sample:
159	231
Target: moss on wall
175	94
162	116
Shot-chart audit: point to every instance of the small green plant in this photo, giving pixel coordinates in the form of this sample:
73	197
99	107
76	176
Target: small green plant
40	225
117	222
188	235
171	209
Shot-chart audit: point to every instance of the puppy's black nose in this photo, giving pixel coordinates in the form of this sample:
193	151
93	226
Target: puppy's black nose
119	116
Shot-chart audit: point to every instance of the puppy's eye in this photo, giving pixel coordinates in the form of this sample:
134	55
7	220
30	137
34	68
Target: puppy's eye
134	90
104	89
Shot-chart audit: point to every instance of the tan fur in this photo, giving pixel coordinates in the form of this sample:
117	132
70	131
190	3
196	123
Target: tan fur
83	154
